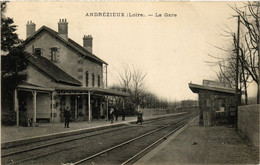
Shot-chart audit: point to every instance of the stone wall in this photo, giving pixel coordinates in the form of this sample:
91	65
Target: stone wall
68	59
210	102
248	122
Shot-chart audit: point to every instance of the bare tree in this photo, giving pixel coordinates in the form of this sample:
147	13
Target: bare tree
248	51
138	80
132	80
125	78
250	56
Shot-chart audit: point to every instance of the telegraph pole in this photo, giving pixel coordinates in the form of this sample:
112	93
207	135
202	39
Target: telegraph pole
258	93
237	72
258	101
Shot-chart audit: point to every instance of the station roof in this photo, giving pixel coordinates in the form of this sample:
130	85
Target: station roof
52	70
70	43
32	87
196	88
69	90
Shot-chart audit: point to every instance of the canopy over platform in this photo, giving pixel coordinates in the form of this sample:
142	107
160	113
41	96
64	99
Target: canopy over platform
33	87
85	90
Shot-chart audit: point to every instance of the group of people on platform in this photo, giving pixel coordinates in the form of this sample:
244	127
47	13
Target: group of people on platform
113	112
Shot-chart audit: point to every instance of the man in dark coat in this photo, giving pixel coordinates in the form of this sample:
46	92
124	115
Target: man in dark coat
116	113
139	118
67	117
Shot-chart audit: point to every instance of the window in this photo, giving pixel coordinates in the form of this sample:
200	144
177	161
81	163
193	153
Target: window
80	61
86	78
98	80
80	69
80	77
38	51
93	79
54	54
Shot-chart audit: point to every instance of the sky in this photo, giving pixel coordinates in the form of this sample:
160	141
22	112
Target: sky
172	50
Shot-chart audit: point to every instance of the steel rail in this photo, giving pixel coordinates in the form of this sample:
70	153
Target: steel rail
124	143
51	152
76	137
73	138
156	142
64	141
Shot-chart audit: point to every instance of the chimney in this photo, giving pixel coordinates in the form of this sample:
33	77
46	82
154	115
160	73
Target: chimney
87	42
30	28
63	29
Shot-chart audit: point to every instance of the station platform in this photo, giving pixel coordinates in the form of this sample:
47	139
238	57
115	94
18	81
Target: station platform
14	133
195	144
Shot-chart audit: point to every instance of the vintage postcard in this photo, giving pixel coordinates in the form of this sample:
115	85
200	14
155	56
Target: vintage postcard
144	82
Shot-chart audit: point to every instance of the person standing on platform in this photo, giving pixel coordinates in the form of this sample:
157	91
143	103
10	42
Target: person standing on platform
116	113
67	117
139	118
112	114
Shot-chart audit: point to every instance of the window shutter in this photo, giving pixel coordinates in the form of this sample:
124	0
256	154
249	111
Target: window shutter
58	55
49	54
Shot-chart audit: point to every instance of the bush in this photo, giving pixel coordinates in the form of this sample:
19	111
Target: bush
9	118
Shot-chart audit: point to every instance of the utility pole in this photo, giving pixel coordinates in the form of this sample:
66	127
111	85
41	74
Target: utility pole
258	97
258	101
237	72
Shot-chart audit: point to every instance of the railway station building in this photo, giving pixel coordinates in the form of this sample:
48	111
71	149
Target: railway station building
61	73
216	103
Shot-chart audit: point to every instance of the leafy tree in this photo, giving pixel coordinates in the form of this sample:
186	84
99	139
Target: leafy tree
13	65
8	36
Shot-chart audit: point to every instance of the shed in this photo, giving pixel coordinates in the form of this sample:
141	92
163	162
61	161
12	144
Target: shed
216	103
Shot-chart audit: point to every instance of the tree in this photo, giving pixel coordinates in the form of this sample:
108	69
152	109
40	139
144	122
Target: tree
249	56
8	36
138	85
132	80
13	65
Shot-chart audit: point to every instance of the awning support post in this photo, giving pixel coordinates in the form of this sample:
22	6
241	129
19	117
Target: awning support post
76	107
52	102
89	108
100	108
34	107
107	108
16	107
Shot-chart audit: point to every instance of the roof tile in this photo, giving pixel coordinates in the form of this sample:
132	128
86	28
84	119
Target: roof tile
52	70
70	43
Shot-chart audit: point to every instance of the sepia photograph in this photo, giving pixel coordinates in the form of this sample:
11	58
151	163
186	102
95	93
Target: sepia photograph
130	82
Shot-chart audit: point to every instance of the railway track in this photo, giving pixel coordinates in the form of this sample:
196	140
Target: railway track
37	152
153	137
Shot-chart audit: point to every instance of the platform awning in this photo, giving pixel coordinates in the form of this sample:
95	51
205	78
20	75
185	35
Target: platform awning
84	90
196	88
33	87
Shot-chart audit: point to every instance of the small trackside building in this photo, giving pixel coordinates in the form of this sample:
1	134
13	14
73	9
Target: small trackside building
216	103
61	73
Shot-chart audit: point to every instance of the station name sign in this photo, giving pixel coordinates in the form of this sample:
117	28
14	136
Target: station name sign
122	14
